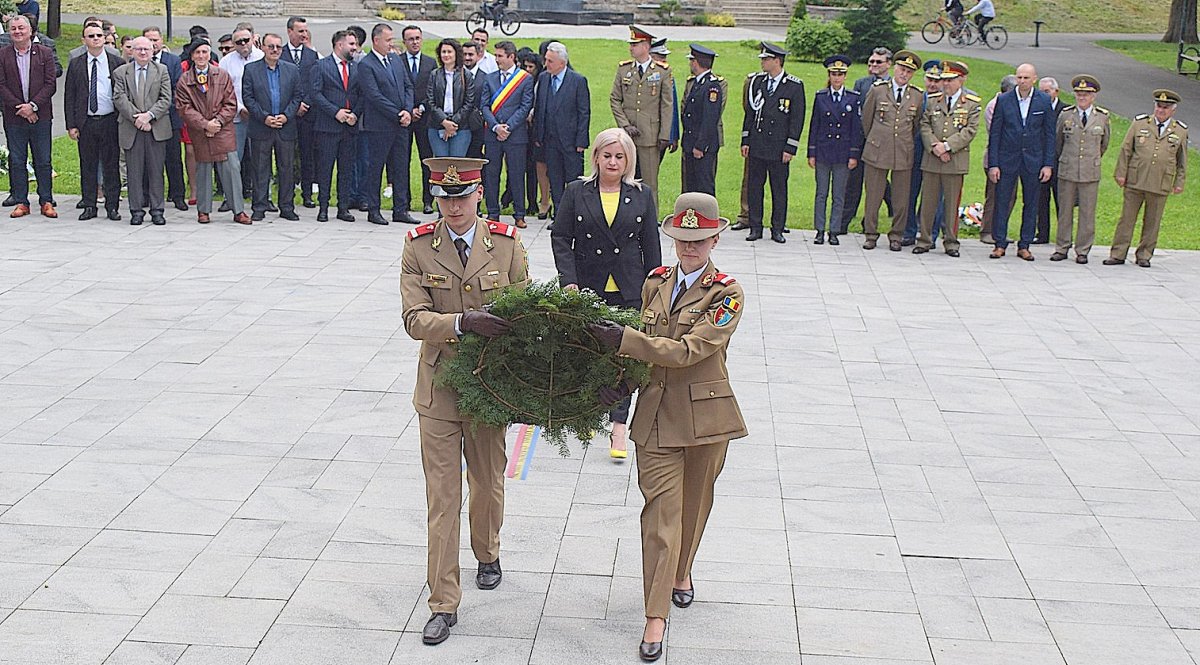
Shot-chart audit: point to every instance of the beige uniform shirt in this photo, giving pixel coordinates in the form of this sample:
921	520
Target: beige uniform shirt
644	101
955	126
1153	163
889	127
1080	148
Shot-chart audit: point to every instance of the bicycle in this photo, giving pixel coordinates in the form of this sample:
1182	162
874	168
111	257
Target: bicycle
937	28
499	14
994	36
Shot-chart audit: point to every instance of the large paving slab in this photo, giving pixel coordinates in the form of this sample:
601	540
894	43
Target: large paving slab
208	455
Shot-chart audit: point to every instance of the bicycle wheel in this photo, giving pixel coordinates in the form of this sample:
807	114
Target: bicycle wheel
964	36
510	23
997	37
476	21
933	31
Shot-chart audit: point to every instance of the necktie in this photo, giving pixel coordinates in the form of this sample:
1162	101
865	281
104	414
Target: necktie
461	246
346	81
554	83
141	82
641	71
899	94
770	86
1084	120
414	65
680	287
837	98
1161	125
93	94
296	55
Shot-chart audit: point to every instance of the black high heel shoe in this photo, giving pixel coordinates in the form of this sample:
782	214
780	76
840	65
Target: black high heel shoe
650	651
682	598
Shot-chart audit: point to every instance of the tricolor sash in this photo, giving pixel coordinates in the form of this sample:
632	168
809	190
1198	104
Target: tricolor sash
504	93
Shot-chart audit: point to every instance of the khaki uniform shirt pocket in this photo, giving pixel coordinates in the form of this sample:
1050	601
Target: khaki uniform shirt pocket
714	409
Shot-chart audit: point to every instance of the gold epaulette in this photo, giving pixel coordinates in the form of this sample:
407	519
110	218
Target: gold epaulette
973	98
1100	109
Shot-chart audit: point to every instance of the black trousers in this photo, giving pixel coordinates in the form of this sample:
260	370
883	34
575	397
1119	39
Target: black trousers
475	149
306	156
563	165
283	152
854	192
335	149
401	188
619	413
759	171
700	175
512	158
174	167
391	150
99	149
1049	189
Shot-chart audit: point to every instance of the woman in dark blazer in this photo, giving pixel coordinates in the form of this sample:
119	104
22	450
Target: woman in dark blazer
449	115
605	238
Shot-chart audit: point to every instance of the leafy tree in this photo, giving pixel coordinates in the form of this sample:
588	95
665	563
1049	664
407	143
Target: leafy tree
875	25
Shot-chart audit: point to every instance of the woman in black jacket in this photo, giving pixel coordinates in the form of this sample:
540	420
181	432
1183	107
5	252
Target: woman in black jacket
449	114
605	238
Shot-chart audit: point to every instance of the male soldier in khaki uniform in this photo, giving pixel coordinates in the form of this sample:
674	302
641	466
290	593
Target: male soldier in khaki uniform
890	114
686	413
948	126
641	100
1083	135
450	268
1152	164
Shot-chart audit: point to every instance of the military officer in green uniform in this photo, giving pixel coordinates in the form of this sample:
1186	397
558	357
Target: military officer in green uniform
890	114
1083	133
1152	165
700	114
641	101
948	125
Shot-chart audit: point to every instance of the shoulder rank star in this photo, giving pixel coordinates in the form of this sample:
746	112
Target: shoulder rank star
725	312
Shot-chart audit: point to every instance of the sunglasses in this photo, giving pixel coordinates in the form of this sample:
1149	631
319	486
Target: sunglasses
876	62
98	35
224	49
242	42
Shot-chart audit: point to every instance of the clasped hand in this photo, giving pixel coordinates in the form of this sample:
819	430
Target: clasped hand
482	323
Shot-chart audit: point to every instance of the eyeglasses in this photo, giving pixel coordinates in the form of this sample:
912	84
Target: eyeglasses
273	47
242	42
224	49
98	35
876	62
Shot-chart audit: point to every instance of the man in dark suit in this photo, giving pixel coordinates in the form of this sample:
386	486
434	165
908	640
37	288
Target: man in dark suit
270	93
334	96
27	86
91	120
771	127
1021	146
700	117
561	120
1048	85
418	67
506	102
142	96
387	102
471	52
299	53
174	158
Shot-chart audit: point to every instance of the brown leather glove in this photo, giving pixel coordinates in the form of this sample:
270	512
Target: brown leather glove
607	333
663	144
610	395
482	323
633	132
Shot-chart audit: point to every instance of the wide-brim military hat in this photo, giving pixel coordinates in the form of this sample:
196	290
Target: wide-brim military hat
452	177
907	59
952	69
1085	83
659	46
697	216
1164	96
637	34
837	63
770	50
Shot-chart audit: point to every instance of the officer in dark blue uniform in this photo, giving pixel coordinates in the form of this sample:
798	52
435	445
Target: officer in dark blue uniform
771	128
659	52
834	144
700	115
933	83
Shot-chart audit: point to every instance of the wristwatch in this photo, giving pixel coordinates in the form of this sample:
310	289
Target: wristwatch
34	106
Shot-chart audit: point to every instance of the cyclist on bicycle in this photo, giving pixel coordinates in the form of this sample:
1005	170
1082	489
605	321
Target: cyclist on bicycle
987	12
954	9
494	10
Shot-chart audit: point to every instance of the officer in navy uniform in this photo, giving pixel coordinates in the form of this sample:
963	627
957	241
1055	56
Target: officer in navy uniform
700	115
771	128
834	145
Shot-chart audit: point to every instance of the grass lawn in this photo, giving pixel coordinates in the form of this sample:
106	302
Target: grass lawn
1153	53
112	8
597	60
1060	15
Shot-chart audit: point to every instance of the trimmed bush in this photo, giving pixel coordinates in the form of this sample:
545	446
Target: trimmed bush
813	40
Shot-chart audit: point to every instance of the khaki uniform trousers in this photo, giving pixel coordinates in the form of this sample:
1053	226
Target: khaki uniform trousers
877	182
1151	220
933	187
647	159
1069	194
444	443
677	484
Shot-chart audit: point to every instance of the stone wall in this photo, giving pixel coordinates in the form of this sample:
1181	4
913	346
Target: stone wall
245	7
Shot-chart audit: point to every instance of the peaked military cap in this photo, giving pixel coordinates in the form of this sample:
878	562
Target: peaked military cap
1164	96
637	34
954	69
700	50
933	69
1085	83
907	59
659	47
837	63
770	50
452	177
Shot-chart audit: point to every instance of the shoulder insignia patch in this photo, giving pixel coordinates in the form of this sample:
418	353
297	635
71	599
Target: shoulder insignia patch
726	311
691	77
1181	124
1068	108
500	229
424	229
664	65
1142	116
973	98
724	279
661	271
717	77
1101	109
934	95
794	79
625	62
881	82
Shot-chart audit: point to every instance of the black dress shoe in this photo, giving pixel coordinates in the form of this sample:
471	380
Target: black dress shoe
428	209
786	230
258	216
833	239
1143	263
82	205
1041	241
820	239
88	213
271	207
777	236
157	219
920	250
135	219
1058	256
323	215
308	203
376	218
226	206
754	235
1081	259
437	629
289	215
740	226
869	244
650	651
345	215
10	202
543	215
952	252
363	207
489	575
180	203
404	218
1114	262
908	242
114	214
894	245
683	598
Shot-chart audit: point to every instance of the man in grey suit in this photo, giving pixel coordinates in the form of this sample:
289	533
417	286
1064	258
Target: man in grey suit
142	97
271	93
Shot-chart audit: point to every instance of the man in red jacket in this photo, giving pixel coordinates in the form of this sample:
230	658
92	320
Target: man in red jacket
28	81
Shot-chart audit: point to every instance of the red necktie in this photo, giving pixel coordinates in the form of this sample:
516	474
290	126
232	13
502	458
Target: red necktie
346	81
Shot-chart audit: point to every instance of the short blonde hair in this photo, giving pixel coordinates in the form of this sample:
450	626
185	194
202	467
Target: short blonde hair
606	138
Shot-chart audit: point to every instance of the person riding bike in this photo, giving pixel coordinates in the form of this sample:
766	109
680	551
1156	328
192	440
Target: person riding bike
987	13
494	10
954	9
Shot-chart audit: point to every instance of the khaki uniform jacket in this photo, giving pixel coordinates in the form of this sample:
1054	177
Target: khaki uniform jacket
889	127
435	288
688	395
646	102
724	83
956	128
1080	148
1152	164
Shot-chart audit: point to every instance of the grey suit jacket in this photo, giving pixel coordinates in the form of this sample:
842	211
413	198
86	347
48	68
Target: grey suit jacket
155	97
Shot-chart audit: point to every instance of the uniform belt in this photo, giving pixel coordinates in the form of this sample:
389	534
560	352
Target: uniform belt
101	117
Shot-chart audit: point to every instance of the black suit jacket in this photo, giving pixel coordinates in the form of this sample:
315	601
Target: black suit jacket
75	88
308	58
256	97
466	102
587	250
562	119
420	84
175	68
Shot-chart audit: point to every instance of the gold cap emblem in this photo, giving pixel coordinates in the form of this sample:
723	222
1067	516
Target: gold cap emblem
689	220
451	176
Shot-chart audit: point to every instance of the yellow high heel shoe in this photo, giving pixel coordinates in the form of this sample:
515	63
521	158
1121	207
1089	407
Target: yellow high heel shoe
617	453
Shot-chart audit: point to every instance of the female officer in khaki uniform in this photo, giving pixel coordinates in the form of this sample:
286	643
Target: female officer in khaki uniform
686	413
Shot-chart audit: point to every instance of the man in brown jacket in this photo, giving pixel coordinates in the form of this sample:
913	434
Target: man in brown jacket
450	268
207	103
948	126
890	113
686	413
1083	135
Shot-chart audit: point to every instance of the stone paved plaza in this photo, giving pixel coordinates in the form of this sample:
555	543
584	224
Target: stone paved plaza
208	456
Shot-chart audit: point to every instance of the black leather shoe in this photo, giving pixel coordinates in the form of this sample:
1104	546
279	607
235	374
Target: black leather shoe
1081	259
1114	262
786	230
894	245
920	250
180	203
345	215
135	219
88	213
157	219
869	244
1058	256
81	205
740	226
1041	241
952	253
682	598
323	215
308	203
754	235
543	215
114	214
820	239
362	207
908	242
489	575
10	202
376	218
272	208
833	239
1143	263
777	236
437	629
428	209
226	206
289	215
650	651
404	218
258	216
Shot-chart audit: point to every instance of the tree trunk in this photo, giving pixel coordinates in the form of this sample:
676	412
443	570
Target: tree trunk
54	19
1182	22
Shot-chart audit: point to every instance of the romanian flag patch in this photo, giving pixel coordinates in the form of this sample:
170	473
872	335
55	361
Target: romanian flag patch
725	312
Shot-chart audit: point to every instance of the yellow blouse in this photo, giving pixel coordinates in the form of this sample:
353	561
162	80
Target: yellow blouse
610	201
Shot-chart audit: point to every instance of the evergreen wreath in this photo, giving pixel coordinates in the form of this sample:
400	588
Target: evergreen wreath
547	368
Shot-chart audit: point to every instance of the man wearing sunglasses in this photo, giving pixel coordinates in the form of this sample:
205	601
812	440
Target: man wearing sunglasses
91	120
879	63
244	52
